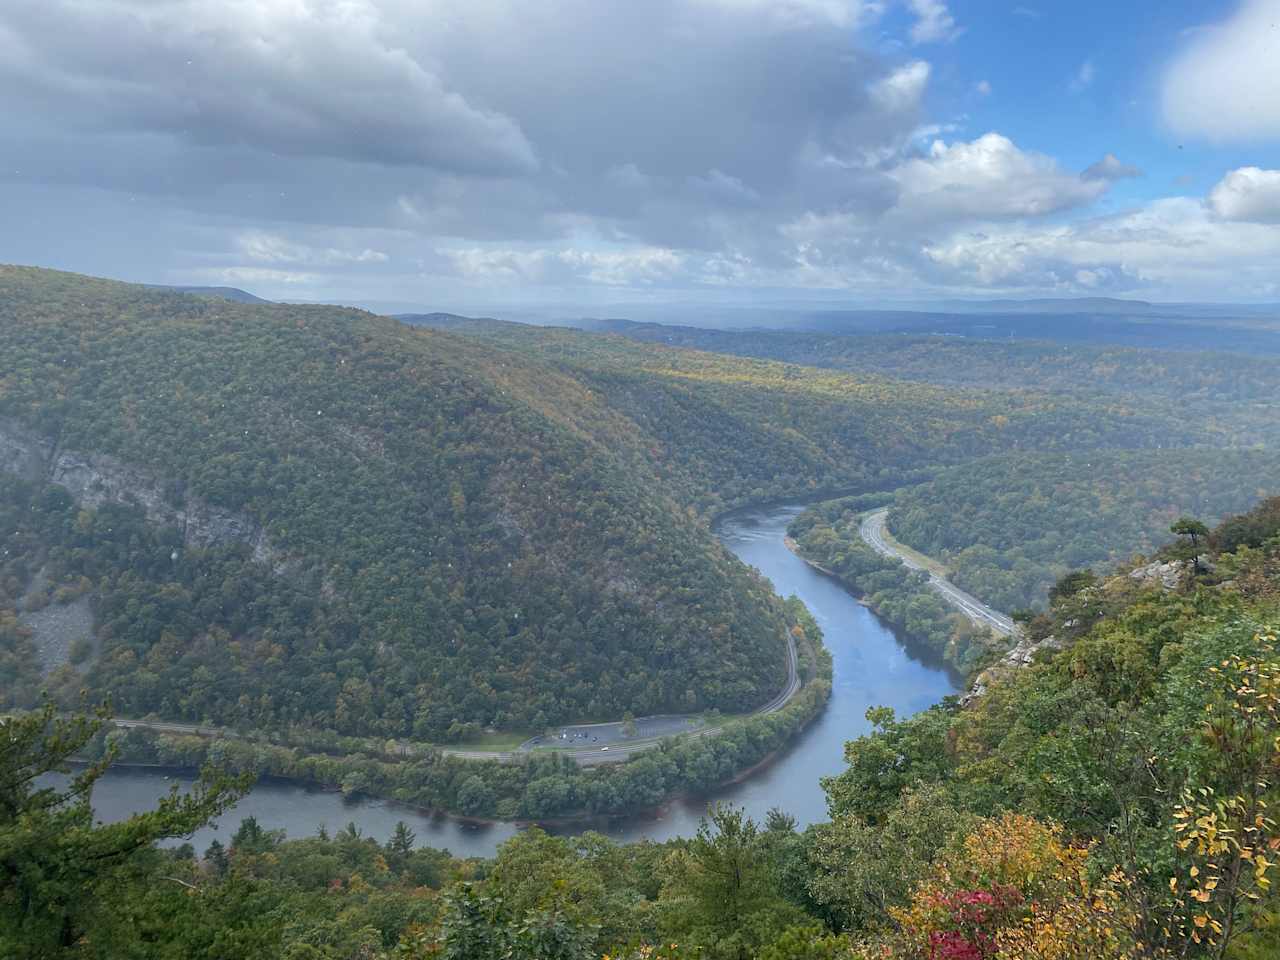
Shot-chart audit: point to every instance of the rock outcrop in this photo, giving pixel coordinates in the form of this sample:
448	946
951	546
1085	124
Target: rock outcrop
1020	655
1170	574
94	479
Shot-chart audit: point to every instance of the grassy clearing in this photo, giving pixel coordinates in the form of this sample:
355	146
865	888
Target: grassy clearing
929	563
498	741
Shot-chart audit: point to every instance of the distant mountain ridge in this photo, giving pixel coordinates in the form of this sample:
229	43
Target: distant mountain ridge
226	293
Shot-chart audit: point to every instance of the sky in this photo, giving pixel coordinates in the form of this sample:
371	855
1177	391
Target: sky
450	154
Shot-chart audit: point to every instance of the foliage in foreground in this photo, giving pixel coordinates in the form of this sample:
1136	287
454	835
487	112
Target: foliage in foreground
1110	802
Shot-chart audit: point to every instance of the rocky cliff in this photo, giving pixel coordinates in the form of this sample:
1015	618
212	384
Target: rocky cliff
94	479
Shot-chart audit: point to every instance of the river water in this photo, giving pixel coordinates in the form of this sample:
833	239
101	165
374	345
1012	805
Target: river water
871	667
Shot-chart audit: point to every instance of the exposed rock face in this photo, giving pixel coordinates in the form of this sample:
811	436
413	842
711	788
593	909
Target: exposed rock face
1020	655
95	479
1169	574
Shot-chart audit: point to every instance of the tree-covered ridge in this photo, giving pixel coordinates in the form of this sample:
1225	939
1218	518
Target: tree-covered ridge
1009	527
1111	800
457	544
747	427
1232	395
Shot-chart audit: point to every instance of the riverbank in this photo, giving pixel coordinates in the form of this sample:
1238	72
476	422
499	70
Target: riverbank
832	538
871	665
537	785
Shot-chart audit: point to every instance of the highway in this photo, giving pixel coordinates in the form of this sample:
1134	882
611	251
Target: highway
873	532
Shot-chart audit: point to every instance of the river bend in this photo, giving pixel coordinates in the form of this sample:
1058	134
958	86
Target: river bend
872	667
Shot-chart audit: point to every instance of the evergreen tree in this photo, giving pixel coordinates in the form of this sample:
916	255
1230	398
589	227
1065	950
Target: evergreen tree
56	864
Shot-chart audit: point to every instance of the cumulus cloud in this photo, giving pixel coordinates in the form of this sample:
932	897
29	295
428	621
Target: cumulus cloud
1175	246
262	247
1225	84
319	147
934	22
306	77
841	13
1110	168
988	178
1249	193
902	89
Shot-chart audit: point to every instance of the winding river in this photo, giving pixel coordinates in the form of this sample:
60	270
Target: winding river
872	667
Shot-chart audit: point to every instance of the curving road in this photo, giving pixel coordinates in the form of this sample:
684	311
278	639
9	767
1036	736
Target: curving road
873	532
583	756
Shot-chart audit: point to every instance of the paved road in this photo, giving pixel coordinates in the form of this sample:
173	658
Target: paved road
583	756
873	533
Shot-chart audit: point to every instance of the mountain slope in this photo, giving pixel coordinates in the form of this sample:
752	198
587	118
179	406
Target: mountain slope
309	515
448	542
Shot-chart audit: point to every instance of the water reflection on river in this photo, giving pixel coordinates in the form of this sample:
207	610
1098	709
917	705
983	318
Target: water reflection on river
871	667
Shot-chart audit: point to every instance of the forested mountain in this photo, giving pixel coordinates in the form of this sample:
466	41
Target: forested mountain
1107	800
500	529
357	526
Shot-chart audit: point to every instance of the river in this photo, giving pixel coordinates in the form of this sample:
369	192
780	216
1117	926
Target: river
871	667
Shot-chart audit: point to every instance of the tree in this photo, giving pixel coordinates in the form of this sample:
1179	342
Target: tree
479	927
1072	583
1194	531
55	863
717	893
402	840
1189	527
215	855
1223	833
250	838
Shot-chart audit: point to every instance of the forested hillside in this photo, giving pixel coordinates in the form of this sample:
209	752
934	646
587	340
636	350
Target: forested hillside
504	529
1109	800
1008	528
1231	395
442	536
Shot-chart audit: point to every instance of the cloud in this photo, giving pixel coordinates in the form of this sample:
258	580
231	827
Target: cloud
902	89
1083	78
1175	246
982	88
1225	84
397	149
1110	168
1250	194
305	77
934	23
262	247
801	13
988	178
566	266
